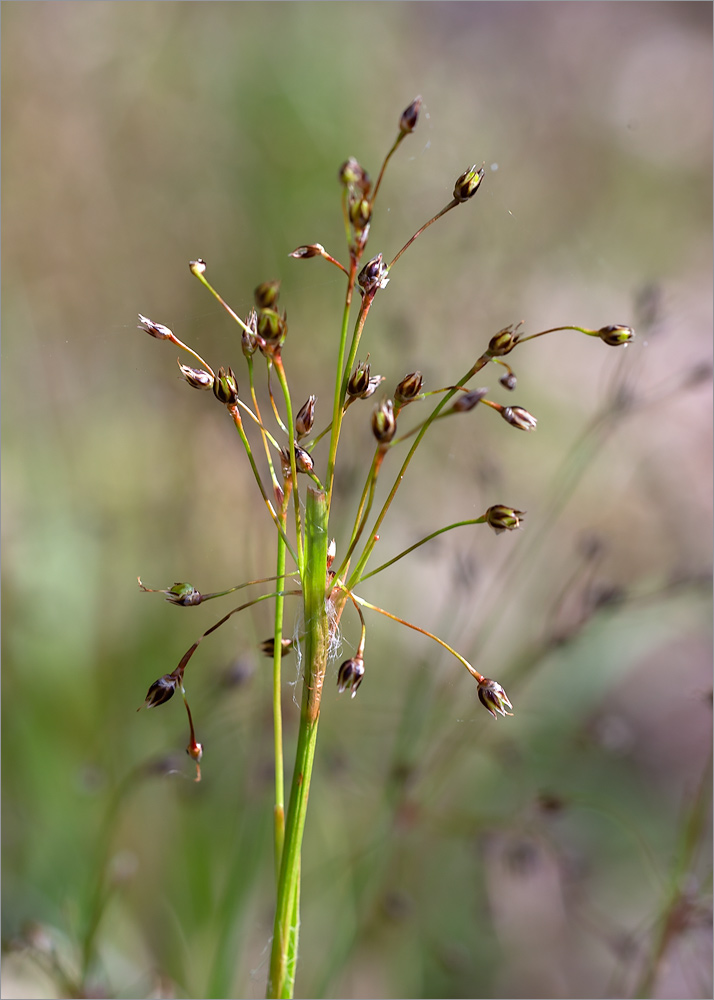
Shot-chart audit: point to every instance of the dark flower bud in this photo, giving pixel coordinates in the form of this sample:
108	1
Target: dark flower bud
384	425
503	343
268	647
616	335
272	327
157	330
352	174
197	266
360	212
249	339
350	675
311	250
305	418
519	418
410	116
468	183
161	690
509	380
468	400
493	698
409	388
196	377
373	275
504	518
303	460
359	379
225	387
266	295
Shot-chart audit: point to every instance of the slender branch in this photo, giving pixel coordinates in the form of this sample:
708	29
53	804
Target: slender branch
423	541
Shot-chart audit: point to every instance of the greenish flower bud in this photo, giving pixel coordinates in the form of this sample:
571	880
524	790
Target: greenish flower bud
161	691
305	418
384	424
249	339
468	183
409	388
360	212
503	343
504	518
197	266
616	335
196	377
468	400
311	250
183	594
272	328
493	698
350	675
518	417
352	174
157	330
358	381
266	295
373	275
410	116
225	387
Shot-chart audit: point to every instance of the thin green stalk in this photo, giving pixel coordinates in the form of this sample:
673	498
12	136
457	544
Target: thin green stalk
278	364
423	541
285	933
337	413
357	572
279	808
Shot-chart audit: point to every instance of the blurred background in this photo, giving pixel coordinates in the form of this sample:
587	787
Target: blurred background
561	853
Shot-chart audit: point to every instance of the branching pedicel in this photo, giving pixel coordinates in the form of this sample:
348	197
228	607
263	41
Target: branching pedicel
289	451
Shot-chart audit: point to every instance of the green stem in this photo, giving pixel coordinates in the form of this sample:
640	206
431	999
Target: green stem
357	572
279	809
285	933
338	401
423	541
280	370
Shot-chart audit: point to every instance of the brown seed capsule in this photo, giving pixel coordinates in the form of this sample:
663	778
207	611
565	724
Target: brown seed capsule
409	388
468	183
518	417
384	424
305	418
225	387
359	379
161	691
157	330
196	377
410	116
616	335
303	460
373	275
311	250
350	675
468	400
249	339
493	698
268	646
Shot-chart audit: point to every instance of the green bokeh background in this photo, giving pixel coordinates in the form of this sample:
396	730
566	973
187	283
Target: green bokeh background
445	855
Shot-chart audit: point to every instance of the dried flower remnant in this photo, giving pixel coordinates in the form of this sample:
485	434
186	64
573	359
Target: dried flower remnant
196	377
157	330
518	417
